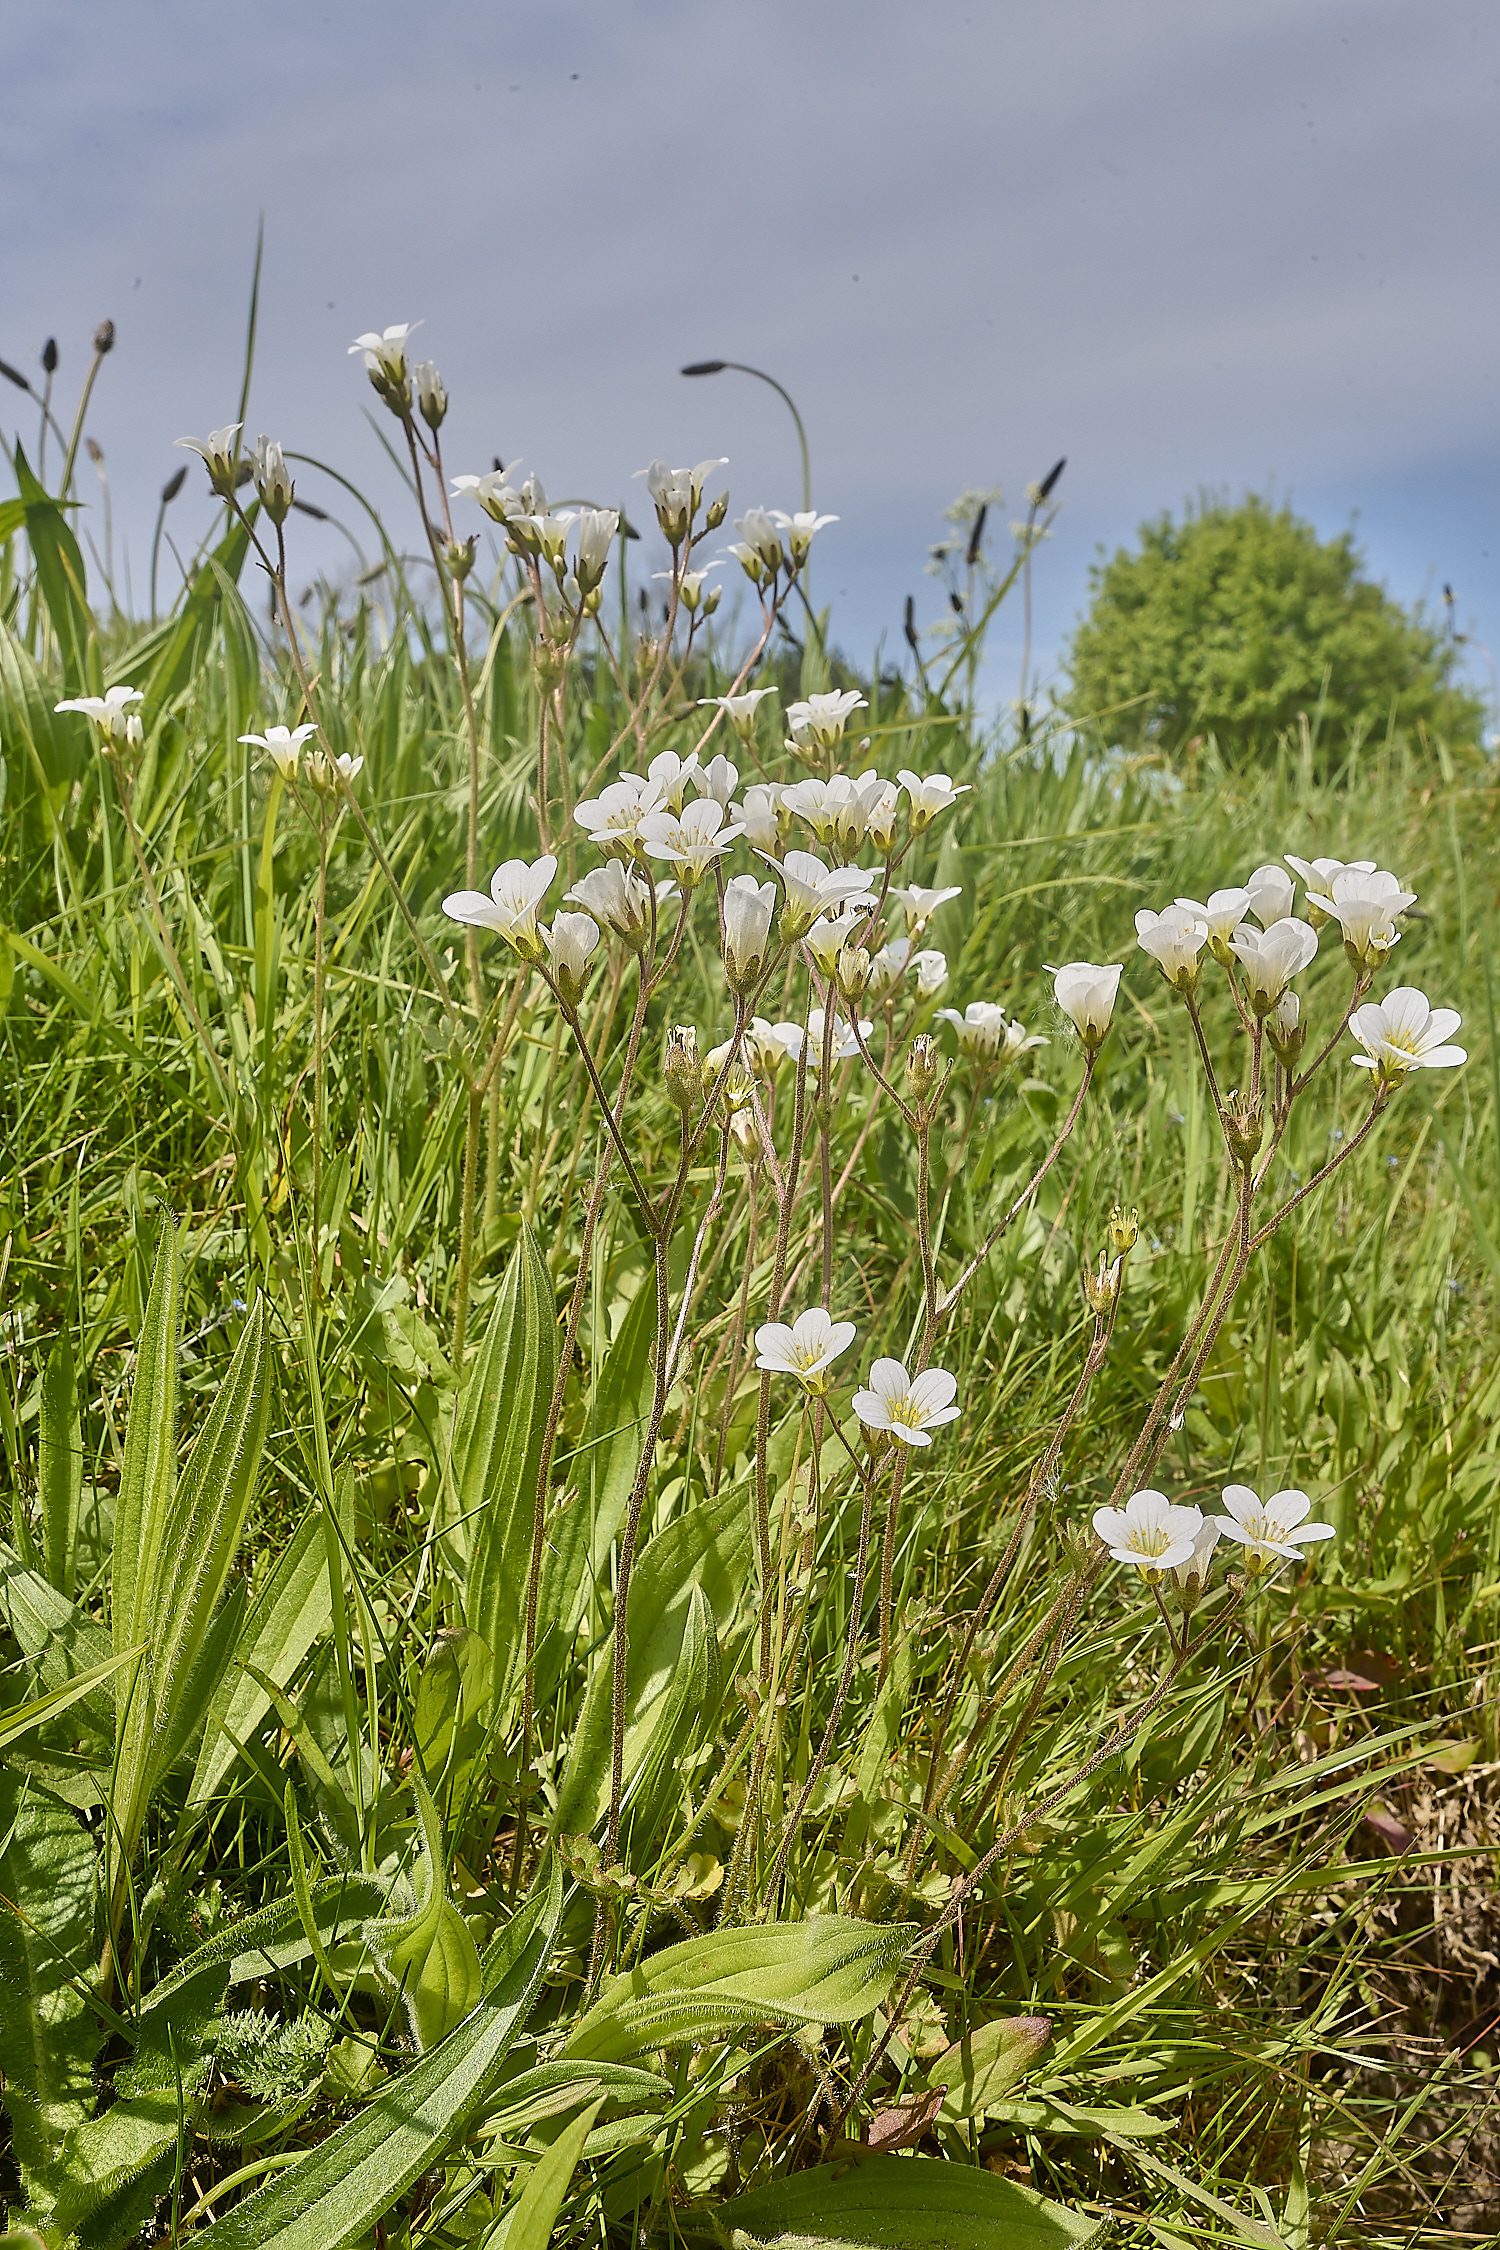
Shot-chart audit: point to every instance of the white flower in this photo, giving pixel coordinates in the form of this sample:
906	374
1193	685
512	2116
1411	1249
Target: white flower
930	794
348	768
815	802
272	478
748	908
800	530
818	723
739	709
1284	1028
1149	1532
612	820
1086	992
597	528
1365	906
544	535
812	890
791	1038
1221	917
827	938
1195	1569
1277	1529
980	1029
108	711
759	550
669	776
888	968
676	494
881	805
432	398
919	904
570	941
1174	939
284	746
1018	1041
1402	1033
495	493
932	972
692	839
616	897
760	815
218	453
385	352
1271	894
807	1349
763	1049
1319	874
516	891
905	1407
719	779
1271	957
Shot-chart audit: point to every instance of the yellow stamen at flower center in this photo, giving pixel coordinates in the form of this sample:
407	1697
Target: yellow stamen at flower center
1150	1542
904	1411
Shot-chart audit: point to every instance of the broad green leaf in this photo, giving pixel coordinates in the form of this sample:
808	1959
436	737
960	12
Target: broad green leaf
530	2220
60	1465
288	1610
497	1445
875	2202
343	2186
21	1718
707	1546
430	1955
63	1640
273	1939
600	1473
977	2070
148	1471
546	2091
452	1693
60	575
48	2034
829	1969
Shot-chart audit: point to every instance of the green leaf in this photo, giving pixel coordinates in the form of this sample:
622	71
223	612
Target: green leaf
288	1610
430	1955
977	2070
339	2189
529	2221
452	1693
173	653
148	1470
873	2202
63	1640
21	1718
60	576
497	1445
48	2034
60	1465
707	1546
535	2095
829	1969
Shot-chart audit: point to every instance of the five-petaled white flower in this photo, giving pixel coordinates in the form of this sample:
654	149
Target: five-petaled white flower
1277	1529
1271	957
217	452
516	891
811	889
1365	906
932	972
570	941
792	1038
799	530
495	493
432	395
596	537
888	969
761	815
818	722
919	905
283	745
930	794
1221	916
612	820
110	712
1174	939
719	779
980	1029
739	710
676	494
616	896
273	479
1271	894
1319	874
758	549
826	940
1402	1033
906	1407
692	839
385	350
1149	1532
669	776
1086	992
807	1349
748	908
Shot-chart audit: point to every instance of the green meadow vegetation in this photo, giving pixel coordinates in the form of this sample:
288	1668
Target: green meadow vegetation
513	1728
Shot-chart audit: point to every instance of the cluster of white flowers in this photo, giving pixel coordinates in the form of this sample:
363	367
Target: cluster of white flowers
893	1405
1156	1536
111	714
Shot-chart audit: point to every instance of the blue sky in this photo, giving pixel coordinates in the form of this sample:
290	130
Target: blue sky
1186	244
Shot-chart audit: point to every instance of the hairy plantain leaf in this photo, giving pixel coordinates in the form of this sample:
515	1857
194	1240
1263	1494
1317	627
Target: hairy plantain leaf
872	2202
48	2034
60	1466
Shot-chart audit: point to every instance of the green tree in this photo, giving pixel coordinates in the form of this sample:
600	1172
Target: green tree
1239	617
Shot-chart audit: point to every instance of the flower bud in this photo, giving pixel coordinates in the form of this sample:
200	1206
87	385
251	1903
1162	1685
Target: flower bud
49	355
1286	1031
1244	1128
432	399
852	971
923	1064
272	479
1123	1231
104	337
459	556
681	1067
745	1133
717	510
1102	1288
135	733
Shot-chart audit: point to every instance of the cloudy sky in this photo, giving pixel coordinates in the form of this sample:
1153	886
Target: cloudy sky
1184	243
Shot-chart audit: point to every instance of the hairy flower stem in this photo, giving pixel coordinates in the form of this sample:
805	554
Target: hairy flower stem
319	1090
475	1105
740	1318
786	1198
